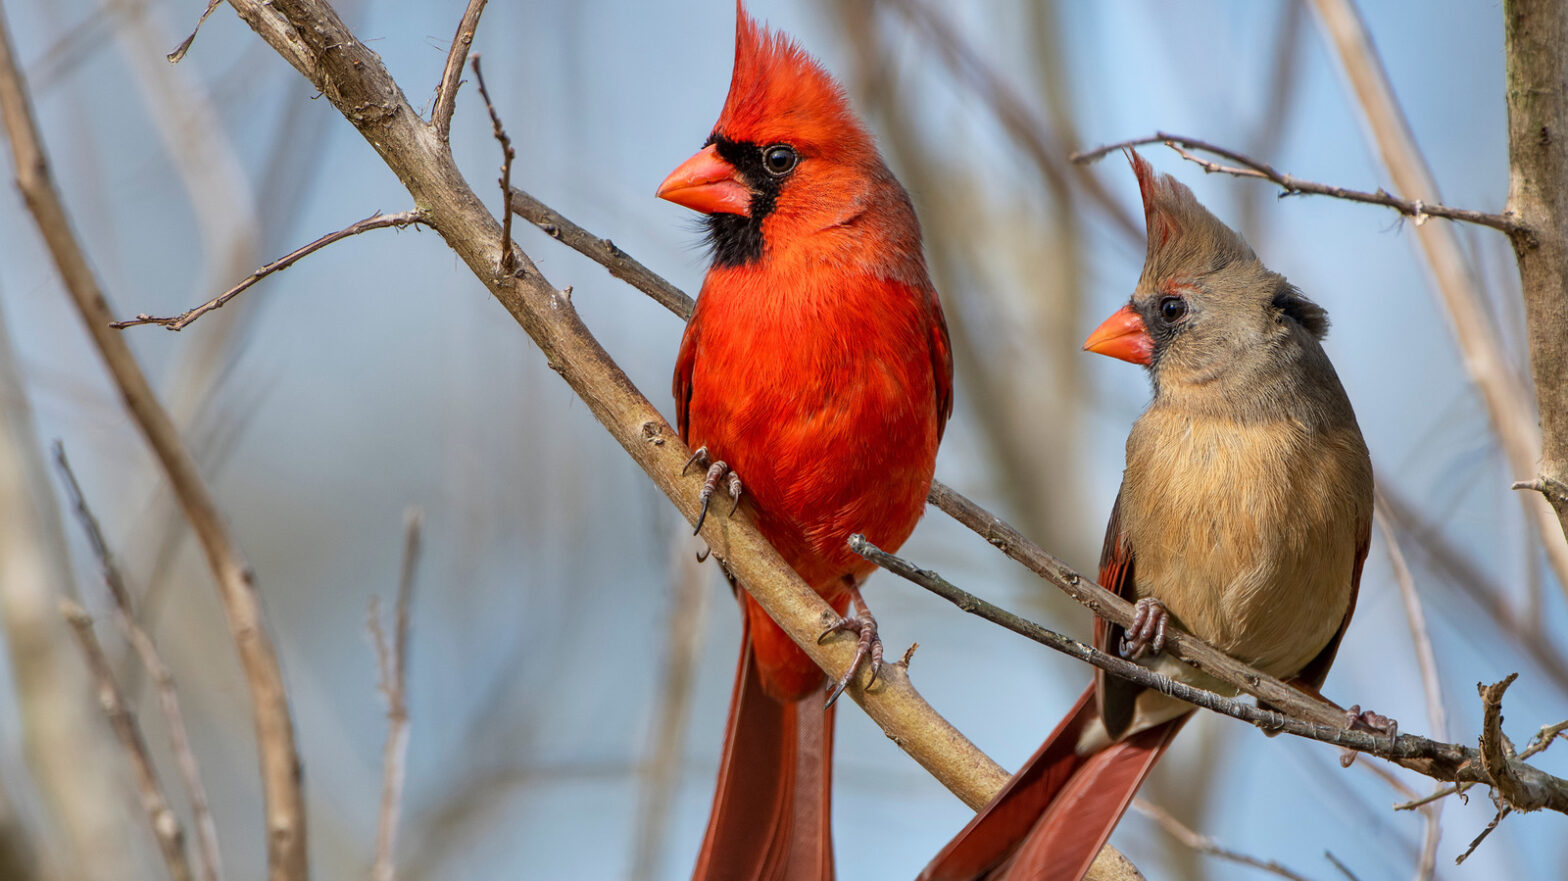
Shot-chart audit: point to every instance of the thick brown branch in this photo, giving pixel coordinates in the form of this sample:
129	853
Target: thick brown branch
451	75
1294	186
184	319
279	759
1535	41
311	37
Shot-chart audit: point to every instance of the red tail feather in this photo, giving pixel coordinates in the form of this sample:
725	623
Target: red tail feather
1055	814
770	819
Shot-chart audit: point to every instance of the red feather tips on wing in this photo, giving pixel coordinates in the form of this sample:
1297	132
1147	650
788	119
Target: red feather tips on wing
778	92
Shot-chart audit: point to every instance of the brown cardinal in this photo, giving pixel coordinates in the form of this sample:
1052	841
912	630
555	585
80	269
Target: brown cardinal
816	367
1244	517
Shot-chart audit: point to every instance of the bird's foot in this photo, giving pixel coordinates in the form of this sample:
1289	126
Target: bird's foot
1371	723
869	644
717	472
1146	636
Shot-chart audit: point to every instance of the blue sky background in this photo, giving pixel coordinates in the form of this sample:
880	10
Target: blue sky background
380	374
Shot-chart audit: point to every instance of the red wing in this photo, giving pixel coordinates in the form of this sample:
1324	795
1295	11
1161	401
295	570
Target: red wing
941	368
685	362
1115	695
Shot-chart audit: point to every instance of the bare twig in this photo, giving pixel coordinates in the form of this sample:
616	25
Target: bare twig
1294	186
603	251
178	54
1516	793
1520	428
1476	842
1426	661
1343	869
165	824
451	75
508	261
1204	844
184	319
147	651
281	772
392	664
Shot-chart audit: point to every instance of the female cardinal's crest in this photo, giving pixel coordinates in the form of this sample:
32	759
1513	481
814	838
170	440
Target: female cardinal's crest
1184	238
779	93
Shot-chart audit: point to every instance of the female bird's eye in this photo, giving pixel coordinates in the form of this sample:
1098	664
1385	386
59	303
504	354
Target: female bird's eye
779	159
1172	309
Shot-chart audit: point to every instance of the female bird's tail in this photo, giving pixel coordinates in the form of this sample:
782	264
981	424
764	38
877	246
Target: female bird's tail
1052	818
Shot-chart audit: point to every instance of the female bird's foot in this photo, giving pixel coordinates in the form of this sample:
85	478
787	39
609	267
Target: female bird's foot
716	472
1146	636
1370	722
869	645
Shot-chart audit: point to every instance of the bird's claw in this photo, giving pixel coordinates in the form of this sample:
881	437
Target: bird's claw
717	472
1146	636
868	645
1371	723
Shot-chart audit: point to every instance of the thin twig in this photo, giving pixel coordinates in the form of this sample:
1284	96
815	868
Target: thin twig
1343	869
184	319
446	92
1426	660
1476	842
165	823
163	679
508	261
179	51
281	774
1295	186
392	665
603	251
1204	844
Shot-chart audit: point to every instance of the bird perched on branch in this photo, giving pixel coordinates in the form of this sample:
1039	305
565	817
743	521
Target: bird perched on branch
814	381
1244	517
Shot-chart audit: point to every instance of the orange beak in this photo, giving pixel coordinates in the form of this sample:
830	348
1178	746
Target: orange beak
709	184
1122	336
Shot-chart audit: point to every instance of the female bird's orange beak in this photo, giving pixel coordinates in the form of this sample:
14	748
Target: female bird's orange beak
1122	336
707	183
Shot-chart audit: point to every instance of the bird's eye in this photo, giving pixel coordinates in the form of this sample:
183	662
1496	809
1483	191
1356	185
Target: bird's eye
1172	309
779	159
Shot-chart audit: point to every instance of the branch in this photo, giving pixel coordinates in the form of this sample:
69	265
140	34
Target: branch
446	92
392	664
1440	761
165	823
1415	209
147	652
1535	52
184	319
508	261
279	759
309	35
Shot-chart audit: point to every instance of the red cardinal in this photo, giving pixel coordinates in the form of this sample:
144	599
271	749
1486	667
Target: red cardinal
1244	516
815	367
